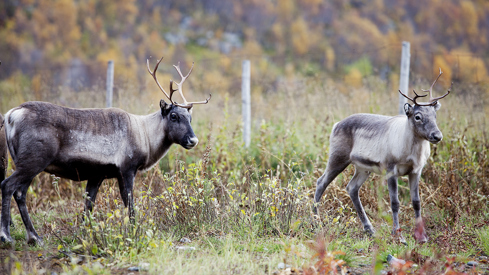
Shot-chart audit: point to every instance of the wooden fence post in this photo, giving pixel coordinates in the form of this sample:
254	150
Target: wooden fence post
110	84
404	78
246	98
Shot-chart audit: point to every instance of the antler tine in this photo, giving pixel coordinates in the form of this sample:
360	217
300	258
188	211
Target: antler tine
431	88
179	85
415	97
171	89
440	97
177	67
188	106
201	102
153	74
406	96
433	100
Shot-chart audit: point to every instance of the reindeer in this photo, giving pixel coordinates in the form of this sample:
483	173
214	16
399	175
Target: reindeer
394	146
90	144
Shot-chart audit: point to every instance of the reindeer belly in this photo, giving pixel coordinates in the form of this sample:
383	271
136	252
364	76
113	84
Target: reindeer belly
367	164
79	170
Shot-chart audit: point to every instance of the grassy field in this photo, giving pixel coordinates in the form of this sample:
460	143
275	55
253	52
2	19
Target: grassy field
223	209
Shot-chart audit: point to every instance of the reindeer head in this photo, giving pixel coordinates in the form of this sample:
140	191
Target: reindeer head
177	116
422	116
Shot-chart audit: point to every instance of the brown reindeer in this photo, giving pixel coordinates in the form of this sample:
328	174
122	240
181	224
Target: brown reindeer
89	144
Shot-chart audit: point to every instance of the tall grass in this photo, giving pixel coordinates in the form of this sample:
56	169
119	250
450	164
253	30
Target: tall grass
222	189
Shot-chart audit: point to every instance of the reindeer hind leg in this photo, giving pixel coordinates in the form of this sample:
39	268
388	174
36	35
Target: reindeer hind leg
336	164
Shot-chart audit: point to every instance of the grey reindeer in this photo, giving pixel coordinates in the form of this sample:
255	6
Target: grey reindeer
393	146
90	144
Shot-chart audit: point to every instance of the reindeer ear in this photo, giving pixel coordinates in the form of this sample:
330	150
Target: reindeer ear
190	110
165	107
437	106
408	109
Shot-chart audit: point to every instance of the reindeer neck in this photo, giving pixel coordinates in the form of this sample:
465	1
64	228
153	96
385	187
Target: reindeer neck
154	138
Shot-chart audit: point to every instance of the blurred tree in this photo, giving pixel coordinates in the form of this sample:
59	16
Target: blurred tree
300	36
50	34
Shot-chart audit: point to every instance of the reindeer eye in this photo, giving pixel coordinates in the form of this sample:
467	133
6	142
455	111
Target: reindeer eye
173	116
417	117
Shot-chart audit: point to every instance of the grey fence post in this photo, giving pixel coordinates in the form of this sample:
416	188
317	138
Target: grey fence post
246	102
404	78
110	83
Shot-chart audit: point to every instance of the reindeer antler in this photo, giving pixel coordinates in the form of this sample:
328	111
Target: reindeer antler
186	104
432	100
179	86
153	74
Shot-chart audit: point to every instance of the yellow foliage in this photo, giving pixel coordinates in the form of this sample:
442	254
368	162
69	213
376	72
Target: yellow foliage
361	33
36	86
252	47
300	36
469	18
155	16
127	11
354	78
472	69
440	62
329	58
214	80
278	32
225	63
112	53
285	9
279	37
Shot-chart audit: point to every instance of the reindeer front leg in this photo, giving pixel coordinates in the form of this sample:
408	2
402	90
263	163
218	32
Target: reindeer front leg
352	188
126	181
419	231
392	185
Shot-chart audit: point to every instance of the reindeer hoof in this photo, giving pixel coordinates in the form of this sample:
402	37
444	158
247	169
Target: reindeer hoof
419	232
6	240
400	238
369	231
34	239
33	242
421	239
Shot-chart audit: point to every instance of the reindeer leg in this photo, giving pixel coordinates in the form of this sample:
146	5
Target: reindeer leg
353	187
2	178
7	192
20	196
17	183
419	231
336	164
126	182
92	188
392	185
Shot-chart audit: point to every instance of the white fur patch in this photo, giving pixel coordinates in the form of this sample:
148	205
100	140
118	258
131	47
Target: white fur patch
12	117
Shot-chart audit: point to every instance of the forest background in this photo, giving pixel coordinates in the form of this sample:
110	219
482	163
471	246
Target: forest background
68	43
